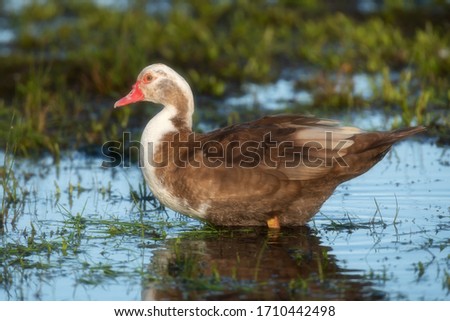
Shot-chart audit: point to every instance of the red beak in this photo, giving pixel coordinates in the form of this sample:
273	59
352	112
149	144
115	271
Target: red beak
135	95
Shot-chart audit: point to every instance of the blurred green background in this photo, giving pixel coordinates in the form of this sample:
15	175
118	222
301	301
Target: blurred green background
64	63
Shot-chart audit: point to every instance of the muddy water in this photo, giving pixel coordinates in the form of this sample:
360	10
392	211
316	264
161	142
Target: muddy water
384	235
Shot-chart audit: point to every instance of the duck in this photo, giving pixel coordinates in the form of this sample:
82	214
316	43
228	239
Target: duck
276	171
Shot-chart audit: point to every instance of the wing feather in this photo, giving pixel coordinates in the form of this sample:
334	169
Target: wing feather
289	147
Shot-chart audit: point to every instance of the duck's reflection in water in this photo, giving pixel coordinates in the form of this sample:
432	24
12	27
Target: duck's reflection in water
252	264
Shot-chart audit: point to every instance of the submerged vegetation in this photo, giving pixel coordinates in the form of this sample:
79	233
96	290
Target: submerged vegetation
66	62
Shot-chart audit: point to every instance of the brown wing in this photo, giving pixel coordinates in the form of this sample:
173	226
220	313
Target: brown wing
288	147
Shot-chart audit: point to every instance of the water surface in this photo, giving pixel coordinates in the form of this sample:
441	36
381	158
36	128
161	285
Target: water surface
80	235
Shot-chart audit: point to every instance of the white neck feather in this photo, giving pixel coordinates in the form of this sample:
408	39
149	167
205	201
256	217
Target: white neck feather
159	126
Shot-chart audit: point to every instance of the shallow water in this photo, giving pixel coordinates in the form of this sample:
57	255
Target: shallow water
75	232
384	235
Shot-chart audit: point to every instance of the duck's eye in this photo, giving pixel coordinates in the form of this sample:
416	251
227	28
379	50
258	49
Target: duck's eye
148	78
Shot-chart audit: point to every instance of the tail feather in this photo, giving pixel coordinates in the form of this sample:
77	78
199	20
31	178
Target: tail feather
406	132
373	140
370	148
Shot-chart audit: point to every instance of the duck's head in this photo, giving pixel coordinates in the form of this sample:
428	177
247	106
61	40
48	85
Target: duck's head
160	84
